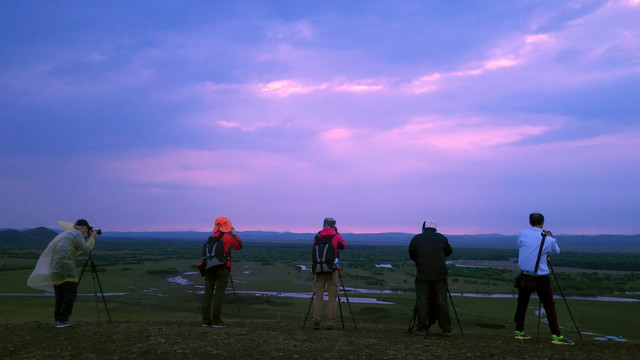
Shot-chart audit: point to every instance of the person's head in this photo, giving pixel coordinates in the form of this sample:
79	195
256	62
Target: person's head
536	219
429	224
82	225
223	224
329	222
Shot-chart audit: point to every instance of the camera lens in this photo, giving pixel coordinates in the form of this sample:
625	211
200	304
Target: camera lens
99	231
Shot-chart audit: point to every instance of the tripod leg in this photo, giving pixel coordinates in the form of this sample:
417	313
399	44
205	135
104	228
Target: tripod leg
412	321
82	272
94	270
348	302
340	307
454	311
564	298
198	310
95	292
235	295
539	315
309	309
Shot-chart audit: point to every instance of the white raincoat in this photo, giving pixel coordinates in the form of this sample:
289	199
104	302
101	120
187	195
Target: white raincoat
57	263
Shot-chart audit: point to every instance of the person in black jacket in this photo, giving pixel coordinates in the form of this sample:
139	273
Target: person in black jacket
428	250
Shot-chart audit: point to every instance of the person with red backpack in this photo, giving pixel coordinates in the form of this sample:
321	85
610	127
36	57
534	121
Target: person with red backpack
326	246
216	264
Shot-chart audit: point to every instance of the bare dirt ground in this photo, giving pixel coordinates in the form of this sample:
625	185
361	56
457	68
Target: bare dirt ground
277	340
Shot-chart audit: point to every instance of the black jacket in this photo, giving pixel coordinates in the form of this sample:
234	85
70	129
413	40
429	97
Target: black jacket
428	251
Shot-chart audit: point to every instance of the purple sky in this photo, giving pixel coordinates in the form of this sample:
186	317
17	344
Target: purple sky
163	115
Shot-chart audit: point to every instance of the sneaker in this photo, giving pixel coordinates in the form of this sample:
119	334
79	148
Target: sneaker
206	325
316	325
330	327
218	324
561	340
447	334
61	324
521	335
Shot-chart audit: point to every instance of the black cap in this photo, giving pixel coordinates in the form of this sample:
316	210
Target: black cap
81	222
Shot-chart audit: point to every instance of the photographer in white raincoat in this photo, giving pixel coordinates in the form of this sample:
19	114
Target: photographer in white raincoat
56	268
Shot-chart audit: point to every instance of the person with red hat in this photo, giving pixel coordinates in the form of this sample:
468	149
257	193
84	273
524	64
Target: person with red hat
217	275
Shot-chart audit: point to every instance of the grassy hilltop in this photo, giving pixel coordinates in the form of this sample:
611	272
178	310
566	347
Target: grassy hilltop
140	269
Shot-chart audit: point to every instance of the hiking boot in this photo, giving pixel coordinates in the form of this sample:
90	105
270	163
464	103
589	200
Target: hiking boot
521	335
447	334
316	325
561	340
330	327
61	324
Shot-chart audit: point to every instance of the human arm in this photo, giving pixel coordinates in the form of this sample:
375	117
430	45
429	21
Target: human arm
447	248
339	242
237	242
79	241
412	249
553	246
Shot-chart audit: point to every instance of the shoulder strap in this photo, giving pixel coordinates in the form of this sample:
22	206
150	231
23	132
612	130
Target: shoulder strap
209	245
544	236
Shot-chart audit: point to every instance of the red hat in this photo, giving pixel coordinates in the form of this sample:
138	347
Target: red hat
223	224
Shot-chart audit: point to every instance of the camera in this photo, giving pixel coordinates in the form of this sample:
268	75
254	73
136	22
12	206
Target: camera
98	231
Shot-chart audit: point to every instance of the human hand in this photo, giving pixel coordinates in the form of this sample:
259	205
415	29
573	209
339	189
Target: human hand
548	233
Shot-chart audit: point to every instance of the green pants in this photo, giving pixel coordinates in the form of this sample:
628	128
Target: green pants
215	284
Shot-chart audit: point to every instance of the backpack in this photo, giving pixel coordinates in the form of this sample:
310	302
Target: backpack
213	252
323	255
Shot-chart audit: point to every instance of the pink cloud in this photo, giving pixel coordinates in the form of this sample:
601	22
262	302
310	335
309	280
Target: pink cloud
499	63
338	133
284	88
357	88
203	168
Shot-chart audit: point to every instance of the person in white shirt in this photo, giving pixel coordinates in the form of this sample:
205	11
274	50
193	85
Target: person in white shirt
535	245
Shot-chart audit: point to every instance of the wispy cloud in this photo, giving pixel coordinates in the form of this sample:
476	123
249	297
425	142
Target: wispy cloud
288	87
202	168
308	110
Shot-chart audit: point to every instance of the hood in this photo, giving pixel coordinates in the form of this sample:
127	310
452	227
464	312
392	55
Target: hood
327	232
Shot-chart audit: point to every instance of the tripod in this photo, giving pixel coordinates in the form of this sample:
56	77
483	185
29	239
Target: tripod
348	302
564	298
95	278
339	305
235	295
412	322
454	311
414	314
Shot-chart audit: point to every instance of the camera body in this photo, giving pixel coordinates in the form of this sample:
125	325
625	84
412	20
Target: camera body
98	231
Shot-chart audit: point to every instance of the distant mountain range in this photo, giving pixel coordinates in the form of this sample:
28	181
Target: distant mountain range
577	243
34	236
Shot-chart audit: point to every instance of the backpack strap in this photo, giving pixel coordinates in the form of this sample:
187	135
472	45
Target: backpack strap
544	236
208	247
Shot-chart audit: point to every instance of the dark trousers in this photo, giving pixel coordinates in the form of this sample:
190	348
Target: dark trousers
215	284
66	294
431	304
542	286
